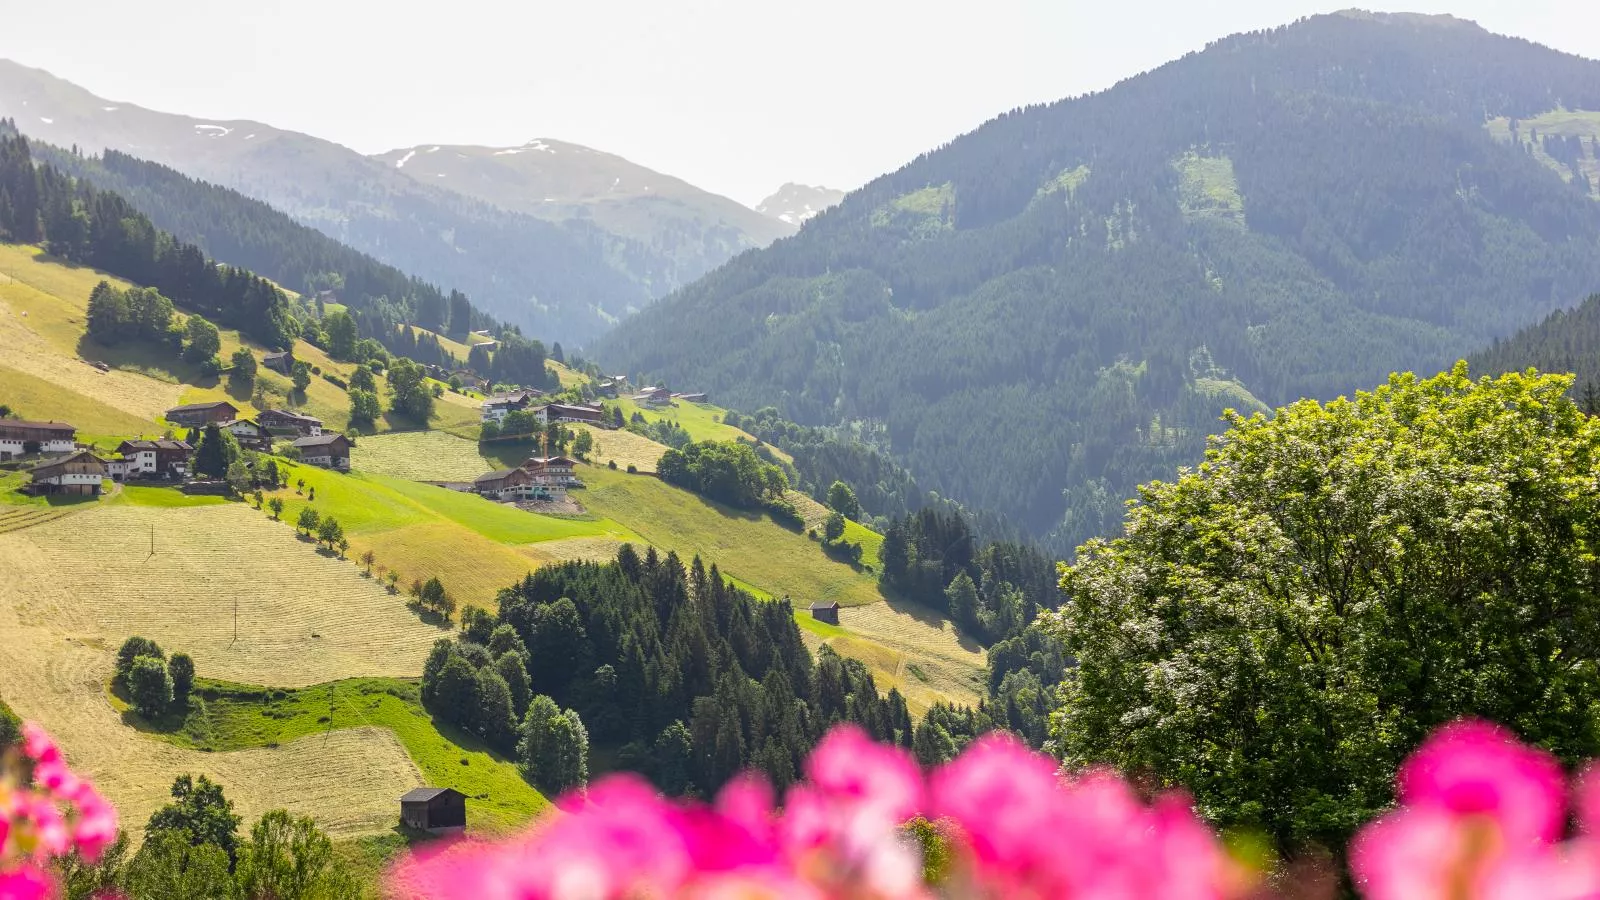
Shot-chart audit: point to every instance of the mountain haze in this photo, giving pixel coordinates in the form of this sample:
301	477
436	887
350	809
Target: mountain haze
687	230
565	274
1057	306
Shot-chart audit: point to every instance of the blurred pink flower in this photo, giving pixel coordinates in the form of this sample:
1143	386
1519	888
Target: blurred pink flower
26	883
1474	767
46	811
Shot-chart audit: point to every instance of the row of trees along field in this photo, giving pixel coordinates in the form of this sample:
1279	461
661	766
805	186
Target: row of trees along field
1057	306
687	678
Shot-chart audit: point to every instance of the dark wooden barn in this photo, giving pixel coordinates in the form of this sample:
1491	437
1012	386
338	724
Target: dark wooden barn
826	612
435	810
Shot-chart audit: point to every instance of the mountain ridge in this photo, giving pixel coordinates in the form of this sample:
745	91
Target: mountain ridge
1290	212
566	278
559	181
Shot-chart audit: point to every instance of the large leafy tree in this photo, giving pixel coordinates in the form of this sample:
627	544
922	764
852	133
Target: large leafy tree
1278	627
201	813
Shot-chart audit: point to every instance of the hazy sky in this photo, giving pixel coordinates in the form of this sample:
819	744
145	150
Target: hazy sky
736	96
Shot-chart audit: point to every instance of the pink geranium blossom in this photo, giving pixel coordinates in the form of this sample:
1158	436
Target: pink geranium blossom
1480	817
46	811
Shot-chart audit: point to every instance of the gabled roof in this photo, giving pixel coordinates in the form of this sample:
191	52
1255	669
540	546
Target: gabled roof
416	795
161	444
198	407
43	426
320	440
497	475
277	354
63	460
834	605
232	422
286	414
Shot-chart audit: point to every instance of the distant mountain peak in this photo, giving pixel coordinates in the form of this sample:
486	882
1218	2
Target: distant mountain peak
795	203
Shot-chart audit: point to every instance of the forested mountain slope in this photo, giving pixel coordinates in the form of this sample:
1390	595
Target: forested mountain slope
1056	306
564	279
1568	340
685	230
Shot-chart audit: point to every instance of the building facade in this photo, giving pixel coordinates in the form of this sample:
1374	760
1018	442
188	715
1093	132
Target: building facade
19	437
164	458
329	451
76	473
197	414
282	421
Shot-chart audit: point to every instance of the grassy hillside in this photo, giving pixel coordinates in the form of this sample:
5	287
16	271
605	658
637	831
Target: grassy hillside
472	545
477	547
46	372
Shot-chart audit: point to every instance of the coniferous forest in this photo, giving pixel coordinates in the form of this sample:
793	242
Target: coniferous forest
1058	306
99	228
691	679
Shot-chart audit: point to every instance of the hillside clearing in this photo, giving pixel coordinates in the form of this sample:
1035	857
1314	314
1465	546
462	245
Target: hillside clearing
303	618
703	422
421	531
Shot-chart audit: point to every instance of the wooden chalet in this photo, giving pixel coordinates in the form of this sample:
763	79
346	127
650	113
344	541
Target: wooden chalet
282	421
76	473
281	362
328	451
20	436
565	412
653	396
434	810
496	408
826	612
164	458
553	472
250	434
506	484
468	379
197	414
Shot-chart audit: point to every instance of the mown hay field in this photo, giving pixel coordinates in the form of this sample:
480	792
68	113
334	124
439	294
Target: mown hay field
56	659
237	717
419	456
176	575
624	448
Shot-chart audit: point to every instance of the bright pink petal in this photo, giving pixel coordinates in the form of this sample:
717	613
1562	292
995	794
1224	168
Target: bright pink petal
1474	767
849	767
26	883
36	743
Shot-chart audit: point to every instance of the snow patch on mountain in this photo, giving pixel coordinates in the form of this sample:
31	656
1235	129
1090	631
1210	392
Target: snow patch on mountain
794	204
401	163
